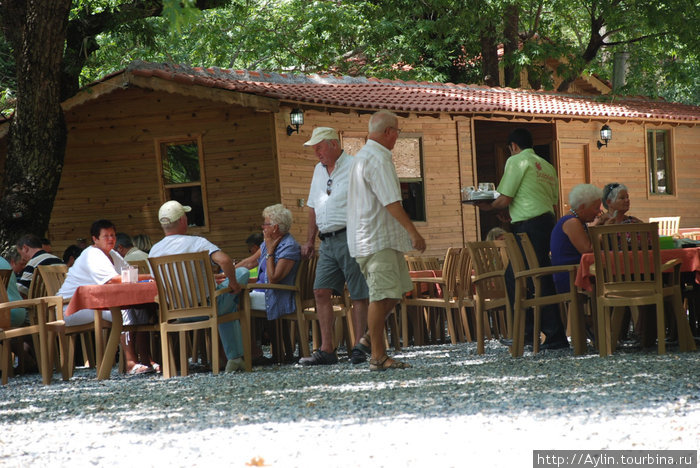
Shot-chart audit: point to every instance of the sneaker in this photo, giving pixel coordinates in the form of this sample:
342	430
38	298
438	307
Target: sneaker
234	365
358	356
319	357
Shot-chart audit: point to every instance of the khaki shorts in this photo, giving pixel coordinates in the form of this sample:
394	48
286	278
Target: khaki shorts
386	273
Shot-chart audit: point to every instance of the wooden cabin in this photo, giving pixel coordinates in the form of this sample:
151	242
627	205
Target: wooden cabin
221	141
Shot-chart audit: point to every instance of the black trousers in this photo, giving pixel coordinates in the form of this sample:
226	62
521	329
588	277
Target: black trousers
539	230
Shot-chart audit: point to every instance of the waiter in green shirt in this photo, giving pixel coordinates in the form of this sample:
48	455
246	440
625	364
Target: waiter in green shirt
529	190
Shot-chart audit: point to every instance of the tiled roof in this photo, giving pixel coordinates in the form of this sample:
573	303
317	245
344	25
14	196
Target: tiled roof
418	97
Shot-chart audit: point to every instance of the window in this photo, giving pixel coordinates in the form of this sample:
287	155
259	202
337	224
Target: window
181	170
660	165
407	156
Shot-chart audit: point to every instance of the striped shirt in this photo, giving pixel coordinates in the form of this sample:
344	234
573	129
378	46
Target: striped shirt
374	185
41	257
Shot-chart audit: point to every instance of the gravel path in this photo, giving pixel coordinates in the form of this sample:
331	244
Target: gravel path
454	408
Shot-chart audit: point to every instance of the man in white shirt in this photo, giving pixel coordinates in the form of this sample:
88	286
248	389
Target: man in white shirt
328	197
173	220
380	231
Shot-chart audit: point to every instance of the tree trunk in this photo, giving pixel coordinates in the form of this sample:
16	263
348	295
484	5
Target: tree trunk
511	20
37	133
489	54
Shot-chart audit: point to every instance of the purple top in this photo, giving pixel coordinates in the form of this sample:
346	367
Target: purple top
563	253
277	302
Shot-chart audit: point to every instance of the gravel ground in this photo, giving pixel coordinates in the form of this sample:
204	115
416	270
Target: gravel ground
454	408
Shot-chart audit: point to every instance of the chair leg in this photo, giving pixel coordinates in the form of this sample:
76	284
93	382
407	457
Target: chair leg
660	327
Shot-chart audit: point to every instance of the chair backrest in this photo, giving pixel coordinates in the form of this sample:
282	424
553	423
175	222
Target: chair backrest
668	225
450	270
306	274
186	285
489	260
47	280
4	281
626	257
416	263
142	265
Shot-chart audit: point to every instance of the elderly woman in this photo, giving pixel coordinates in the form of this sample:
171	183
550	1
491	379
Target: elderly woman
616	200
569	238
278	261
101	264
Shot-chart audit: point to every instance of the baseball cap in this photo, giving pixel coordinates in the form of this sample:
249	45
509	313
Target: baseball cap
171	211
322	133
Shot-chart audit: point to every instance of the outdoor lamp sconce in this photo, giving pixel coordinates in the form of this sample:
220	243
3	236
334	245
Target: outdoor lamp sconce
296	118
605	135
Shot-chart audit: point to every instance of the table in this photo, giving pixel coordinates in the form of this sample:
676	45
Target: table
113	297
428	275
690	262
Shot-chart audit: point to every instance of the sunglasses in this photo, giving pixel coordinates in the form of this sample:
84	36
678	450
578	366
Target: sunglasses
328	186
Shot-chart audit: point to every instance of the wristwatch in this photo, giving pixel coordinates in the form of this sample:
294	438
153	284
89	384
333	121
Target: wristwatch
268	256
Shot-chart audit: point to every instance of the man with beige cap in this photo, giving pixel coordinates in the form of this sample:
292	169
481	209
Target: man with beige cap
173	219
327	203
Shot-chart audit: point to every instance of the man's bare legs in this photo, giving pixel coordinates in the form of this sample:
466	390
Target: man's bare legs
359	318
376	318
324	310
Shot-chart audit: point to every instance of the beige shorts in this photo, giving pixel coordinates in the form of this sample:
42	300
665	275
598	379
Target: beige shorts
386	273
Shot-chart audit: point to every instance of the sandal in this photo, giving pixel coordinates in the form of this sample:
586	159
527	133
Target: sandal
381	364
140	369
365	348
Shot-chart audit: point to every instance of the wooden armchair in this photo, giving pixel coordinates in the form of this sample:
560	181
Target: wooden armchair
38	310
453	298
489	262
303	287
187	300
668	225
628	273
526	269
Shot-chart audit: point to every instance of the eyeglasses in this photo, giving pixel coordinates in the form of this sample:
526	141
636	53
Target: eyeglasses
328	186
266	224
398	130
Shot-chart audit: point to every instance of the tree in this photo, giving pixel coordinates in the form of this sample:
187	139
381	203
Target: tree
49	49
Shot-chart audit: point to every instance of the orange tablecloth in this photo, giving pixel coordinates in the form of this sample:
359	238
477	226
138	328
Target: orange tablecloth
690	261
104	296
425	287
113	297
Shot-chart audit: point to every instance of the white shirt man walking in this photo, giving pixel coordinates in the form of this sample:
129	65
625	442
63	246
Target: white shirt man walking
380	231
327	203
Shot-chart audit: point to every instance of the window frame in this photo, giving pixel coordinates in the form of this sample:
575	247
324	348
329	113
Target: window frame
652	183
421	159
160	144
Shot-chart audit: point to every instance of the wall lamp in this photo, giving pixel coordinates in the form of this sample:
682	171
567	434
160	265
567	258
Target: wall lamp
296	118
605	135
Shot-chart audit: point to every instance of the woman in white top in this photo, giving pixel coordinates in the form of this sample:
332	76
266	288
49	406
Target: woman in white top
101	264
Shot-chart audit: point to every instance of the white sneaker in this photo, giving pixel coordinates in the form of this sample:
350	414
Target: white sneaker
234	365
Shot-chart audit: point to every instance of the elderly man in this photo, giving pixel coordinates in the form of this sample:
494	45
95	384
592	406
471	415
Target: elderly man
173	220
30	249
327	203
125	247
530	190
380	231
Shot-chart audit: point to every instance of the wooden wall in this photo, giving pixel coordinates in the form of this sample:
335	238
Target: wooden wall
251	162
111	170
441	170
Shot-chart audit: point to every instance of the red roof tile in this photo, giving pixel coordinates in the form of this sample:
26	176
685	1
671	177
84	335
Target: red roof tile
402	96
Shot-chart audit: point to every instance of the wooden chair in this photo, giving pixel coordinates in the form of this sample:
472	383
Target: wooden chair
489	262
4	281
526	268
668	225
628	273
38	309
303	289
47	282
187	300
451	299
